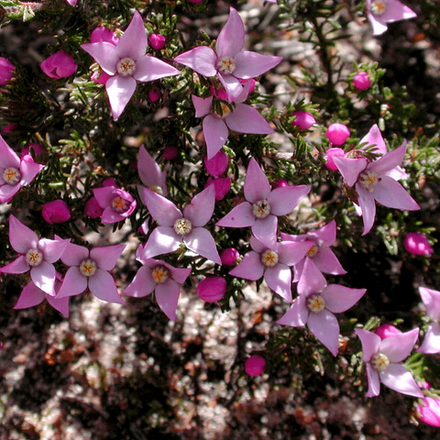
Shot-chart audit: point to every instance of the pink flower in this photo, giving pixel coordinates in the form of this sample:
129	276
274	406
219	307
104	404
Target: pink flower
92	208
337	133
177	228
362	81
127	63
15	172
272	263
56	211
157	41
383	358
316	304
59	65
431	300
162	279
386	330
34	254
230	256
320	253
217	165
304	120
417	244
90	269
116	203
381	12
212	289
262	207
429	411
7	70
229	62
242	119
150	172
254	365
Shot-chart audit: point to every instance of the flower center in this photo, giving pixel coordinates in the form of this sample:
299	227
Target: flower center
11	176
316	303
261	209
160	274
34	257
269	258
226	65
225	110
88	268
157	189
126	66
368	179
312	251
378	7
182	226
119	204
380	362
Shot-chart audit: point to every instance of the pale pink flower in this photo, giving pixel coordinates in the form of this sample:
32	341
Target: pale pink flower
431	300
116	203
59	65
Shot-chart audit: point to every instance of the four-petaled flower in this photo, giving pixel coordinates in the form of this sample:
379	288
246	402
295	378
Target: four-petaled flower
229	63
15	172
35	254
90	268
272	264
431	300
116	203
383	359
316	303
158	277
177	228
262	207
127	63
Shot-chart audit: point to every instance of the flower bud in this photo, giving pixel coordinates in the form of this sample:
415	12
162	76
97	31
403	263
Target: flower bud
217	165
386	330
337	133
103	34
59	65
7	70
38	149
92	208
157	41
280	183
417	244
56	211
222	186
362	81
429	411
170	152
154	95
100	77
230	256
330	154
304	120
212	289
254	365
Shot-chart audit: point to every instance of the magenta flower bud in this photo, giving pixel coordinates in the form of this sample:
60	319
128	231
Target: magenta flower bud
254	365
337	133
7	70
104	34
157	41
230	257
100	77
304	120
362	81
222	186
330	154
56	211
386	330
217	165
280	183
59	65
154	95
251	81
110	181
92	208
170	152
9	128
196	2
429	411
212	289
417	244
38	149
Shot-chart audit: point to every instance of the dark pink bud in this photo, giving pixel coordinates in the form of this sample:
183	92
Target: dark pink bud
157	41
251	81
219	93
110	181
222	186
417	244
386	330
92	208
7	70
9	128
254	365
304	120
100	77
59	65
337	133
56	211
362	81
217	165
280	183
230	256
330	154
170	152
104	34
212	289
154	95
429	412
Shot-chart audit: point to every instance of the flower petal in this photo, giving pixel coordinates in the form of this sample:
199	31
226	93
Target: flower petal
256	186
21	237
7	192
202	105
44	276
247	119
398	347
60	304
103	286
339	298
120	89
251	64
370	343
325	235
201	242
201	59
74	254
431	300
399	379
216	134
150	172
133	42
106	257
162	240
19	265
297	315
167	297
163	211
373	382
327	262
431	342
149	68
201	208
74	283
312	280
368	207
388	161
104	54
53	250
291	252
30	296
9	157
239	217
265	230
230	40
374	137
249	268
233	87
350	168
390	193
284	200
325	327
279	279
29	169
142	285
